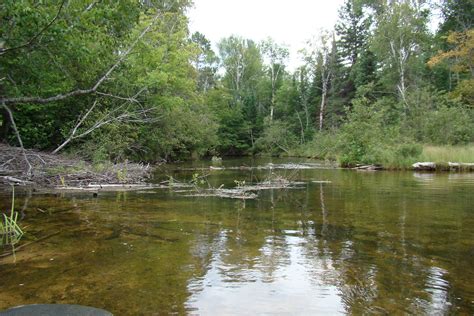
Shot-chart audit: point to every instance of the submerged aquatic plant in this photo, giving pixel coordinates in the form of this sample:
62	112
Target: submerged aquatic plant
10	231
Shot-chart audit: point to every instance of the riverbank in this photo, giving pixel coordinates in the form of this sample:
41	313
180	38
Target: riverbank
48	170
412	157
56	171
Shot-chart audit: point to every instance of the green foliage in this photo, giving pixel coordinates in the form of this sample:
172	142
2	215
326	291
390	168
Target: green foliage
205	63
435	118
449	126
370	137
380	99
322	146
399	43
180	132
353	28
233	131
276	138
458	15
364	69
71	52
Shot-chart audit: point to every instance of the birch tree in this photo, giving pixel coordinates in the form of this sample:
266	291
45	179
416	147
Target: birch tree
242	63
320	57
399	41
275	57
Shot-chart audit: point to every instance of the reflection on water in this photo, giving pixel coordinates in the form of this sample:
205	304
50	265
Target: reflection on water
344	242
280	279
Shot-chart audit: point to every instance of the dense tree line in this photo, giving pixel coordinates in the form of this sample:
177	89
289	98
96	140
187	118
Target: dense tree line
126	80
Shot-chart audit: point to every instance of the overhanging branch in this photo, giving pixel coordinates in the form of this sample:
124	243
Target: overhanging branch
77	92
31	40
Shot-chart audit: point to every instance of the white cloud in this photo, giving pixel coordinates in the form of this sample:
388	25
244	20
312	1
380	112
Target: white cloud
287	22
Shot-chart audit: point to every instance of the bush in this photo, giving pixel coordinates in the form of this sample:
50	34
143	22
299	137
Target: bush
372	135
276	138
450	126
361	137
322	146
179	134
437	119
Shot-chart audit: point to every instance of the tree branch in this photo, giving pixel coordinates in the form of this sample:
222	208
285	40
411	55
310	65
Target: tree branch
78	92
31	40
17	133
106	119
132	99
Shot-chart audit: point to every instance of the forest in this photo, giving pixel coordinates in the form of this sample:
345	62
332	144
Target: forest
127	81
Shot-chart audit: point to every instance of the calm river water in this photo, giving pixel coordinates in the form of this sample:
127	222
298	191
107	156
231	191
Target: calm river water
340	242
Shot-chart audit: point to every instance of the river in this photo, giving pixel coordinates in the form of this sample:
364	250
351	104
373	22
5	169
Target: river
337	242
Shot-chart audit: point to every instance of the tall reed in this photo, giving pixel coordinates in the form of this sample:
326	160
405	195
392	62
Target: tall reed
10	231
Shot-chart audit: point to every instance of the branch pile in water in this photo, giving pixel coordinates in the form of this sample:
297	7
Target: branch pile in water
58	170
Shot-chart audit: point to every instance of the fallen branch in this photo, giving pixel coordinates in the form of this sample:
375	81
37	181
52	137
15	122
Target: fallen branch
7	254
108	118
73	132
17	133
16	181
424	166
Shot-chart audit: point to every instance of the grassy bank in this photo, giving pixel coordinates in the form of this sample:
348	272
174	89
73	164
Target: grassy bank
443	154
392	157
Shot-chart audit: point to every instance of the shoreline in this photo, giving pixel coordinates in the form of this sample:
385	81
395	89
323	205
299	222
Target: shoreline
61	173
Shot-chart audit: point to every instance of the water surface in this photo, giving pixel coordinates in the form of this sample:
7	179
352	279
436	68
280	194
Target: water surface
340	242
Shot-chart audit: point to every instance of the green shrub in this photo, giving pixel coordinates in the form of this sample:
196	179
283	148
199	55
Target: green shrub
361	138
372	135
450	126
322	146
435	118
276	138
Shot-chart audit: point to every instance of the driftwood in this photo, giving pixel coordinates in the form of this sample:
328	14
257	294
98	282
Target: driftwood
49	170
269	166
461	165
15	181
424	166
246	192
368	167
106	187
432	166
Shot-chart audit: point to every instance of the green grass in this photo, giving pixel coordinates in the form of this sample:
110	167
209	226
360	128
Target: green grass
10	231
395	158
444	154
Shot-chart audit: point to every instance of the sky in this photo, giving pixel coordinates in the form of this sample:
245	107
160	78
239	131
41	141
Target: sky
289	22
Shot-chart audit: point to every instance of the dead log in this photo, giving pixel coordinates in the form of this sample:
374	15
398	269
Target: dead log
428	166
